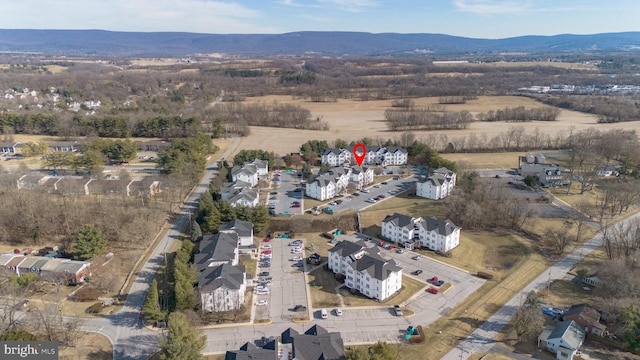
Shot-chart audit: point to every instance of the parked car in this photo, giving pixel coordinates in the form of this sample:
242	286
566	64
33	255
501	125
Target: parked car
273	193
377	186
384	183
297	258
400	251
397	310
416	257
264	273
261	302
295	205
266	246
338	312
439	283
295	202
364	191
396	178
295	243
338	202
432	290
333	203
266	240
381	196
299	308
417	272
433	280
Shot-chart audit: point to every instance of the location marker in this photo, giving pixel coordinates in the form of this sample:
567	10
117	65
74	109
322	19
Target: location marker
363	153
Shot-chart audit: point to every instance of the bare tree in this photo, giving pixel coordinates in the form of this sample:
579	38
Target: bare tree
557	238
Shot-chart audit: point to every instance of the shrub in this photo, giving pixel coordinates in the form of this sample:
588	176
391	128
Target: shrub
485	275
94	309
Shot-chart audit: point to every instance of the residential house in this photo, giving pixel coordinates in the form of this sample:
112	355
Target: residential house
230	188
317	344
610	170
361	176
564	339
222	287
262	166
431	233
244	229
73	271
438	185
218	249
365	270
153	145
71	185
106	187
245	197
592	280
374	155
544	173
10	147
336	156
587	317
66	146
143	187
48	269
249	351
395	155
247	172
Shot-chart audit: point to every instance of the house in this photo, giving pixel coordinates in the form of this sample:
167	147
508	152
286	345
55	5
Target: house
586	317
230	188
222	287
592	280
48	269
218	249
610	170
153	145
564	339
66	146
374	155
317	344
143	187
365	270
73	271
437	185
314	344
395	155
10	147
262	166
106	187
361	176
247	172
249	351
244	229
434	234
336	156
544	173
71	185
244	197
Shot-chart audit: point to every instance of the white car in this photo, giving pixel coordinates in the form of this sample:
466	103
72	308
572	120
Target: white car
333	203
266	246
261	302
376	186
338	312
297	258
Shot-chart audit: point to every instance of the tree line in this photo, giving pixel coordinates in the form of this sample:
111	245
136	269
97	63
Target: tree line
426	118
274	115
520	114
610	109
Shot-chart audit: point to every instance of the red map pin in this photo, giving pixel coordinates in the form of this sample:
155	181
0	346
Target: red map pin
359	157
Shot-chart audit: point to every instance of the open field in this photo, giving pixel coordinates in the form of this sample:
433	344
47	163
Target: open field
562	65
90	346
352	120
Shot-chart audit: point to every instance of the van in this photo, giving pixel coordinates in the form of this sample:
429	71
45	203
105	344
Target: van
324	314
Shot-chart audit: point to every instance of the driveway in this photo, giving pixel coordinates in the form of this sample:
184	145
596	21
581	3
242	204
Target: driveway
286	194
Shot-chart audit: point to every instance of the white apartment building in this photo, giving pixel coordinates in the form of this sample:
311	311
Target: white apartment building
395	155
365	270
434	234
437	185
336	157
328	184
361	176
247	173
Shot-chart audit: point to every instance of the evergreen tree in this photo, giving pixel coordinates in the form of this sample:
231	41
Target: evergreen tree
182	341
383	351
151	306
90	242
196	231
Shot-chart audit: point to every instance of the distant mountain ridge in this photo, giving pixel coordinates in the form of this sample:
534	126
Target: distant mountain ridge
101	42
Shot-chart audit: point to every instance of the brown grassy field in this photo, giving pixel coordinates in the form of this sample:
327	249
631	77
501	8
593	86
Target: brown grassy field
562	65
90	346
352	120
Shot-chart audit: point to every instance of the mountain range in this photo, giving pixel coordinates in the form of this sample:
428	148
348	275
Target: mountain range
115	43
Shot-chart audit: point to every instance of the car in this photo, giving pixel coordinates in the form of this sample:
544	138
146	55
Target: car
266	246
297	258
497	176
262	289
396	178
264	273
432	290
295	205
439	283
338	312
392	192
273	193
381	196
381	243
261	303
333	203
356	194
400	251
338	202
364	191
299	308
295	243
433	280
266	252
416	257
262	265
397	310
384	183
266	240
377	186
417	272
389	172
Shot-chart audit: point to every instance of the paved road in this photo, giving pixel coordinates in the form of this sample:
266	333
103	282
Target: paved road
129	338
359	201
482	340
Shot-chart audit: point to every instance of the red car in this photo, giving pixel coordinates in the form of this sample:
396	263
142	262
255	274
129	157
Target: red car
381	196
295	205
381	243
433	280
432	290
266	240
266	252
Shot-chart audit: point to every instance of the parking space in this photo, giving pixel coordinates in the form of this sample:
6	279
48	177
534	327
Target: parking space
360	201
284	198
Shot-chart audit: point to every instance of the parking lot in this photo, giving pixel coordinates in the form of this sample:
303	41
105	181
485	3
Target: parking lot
288	287
283	197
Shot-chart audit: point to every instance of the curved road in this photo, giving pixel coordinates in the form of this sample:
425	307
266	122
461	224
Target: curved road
482	340
124	329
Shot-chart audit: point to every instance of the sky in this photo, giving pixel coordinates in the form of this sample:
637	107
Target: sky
470	18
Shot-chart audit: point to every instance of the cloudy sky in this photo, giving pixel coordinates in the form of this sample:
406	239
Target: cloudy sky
471	18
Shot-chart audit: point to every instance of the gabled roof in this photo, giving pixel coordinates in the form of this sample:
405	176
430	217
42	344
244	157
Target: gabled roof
442	227
587	314
347	248
443	171
248	351
376	266
400	220
318	345
396	149
248	169
243	228
435	179
221	276
217	247
334	151
259	163
571	334
287	336
247	194
5	258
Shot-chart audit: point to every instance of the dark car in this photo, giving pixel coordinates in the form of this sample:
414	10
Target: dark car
417	272
299	308
384	183
264	273
439	283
